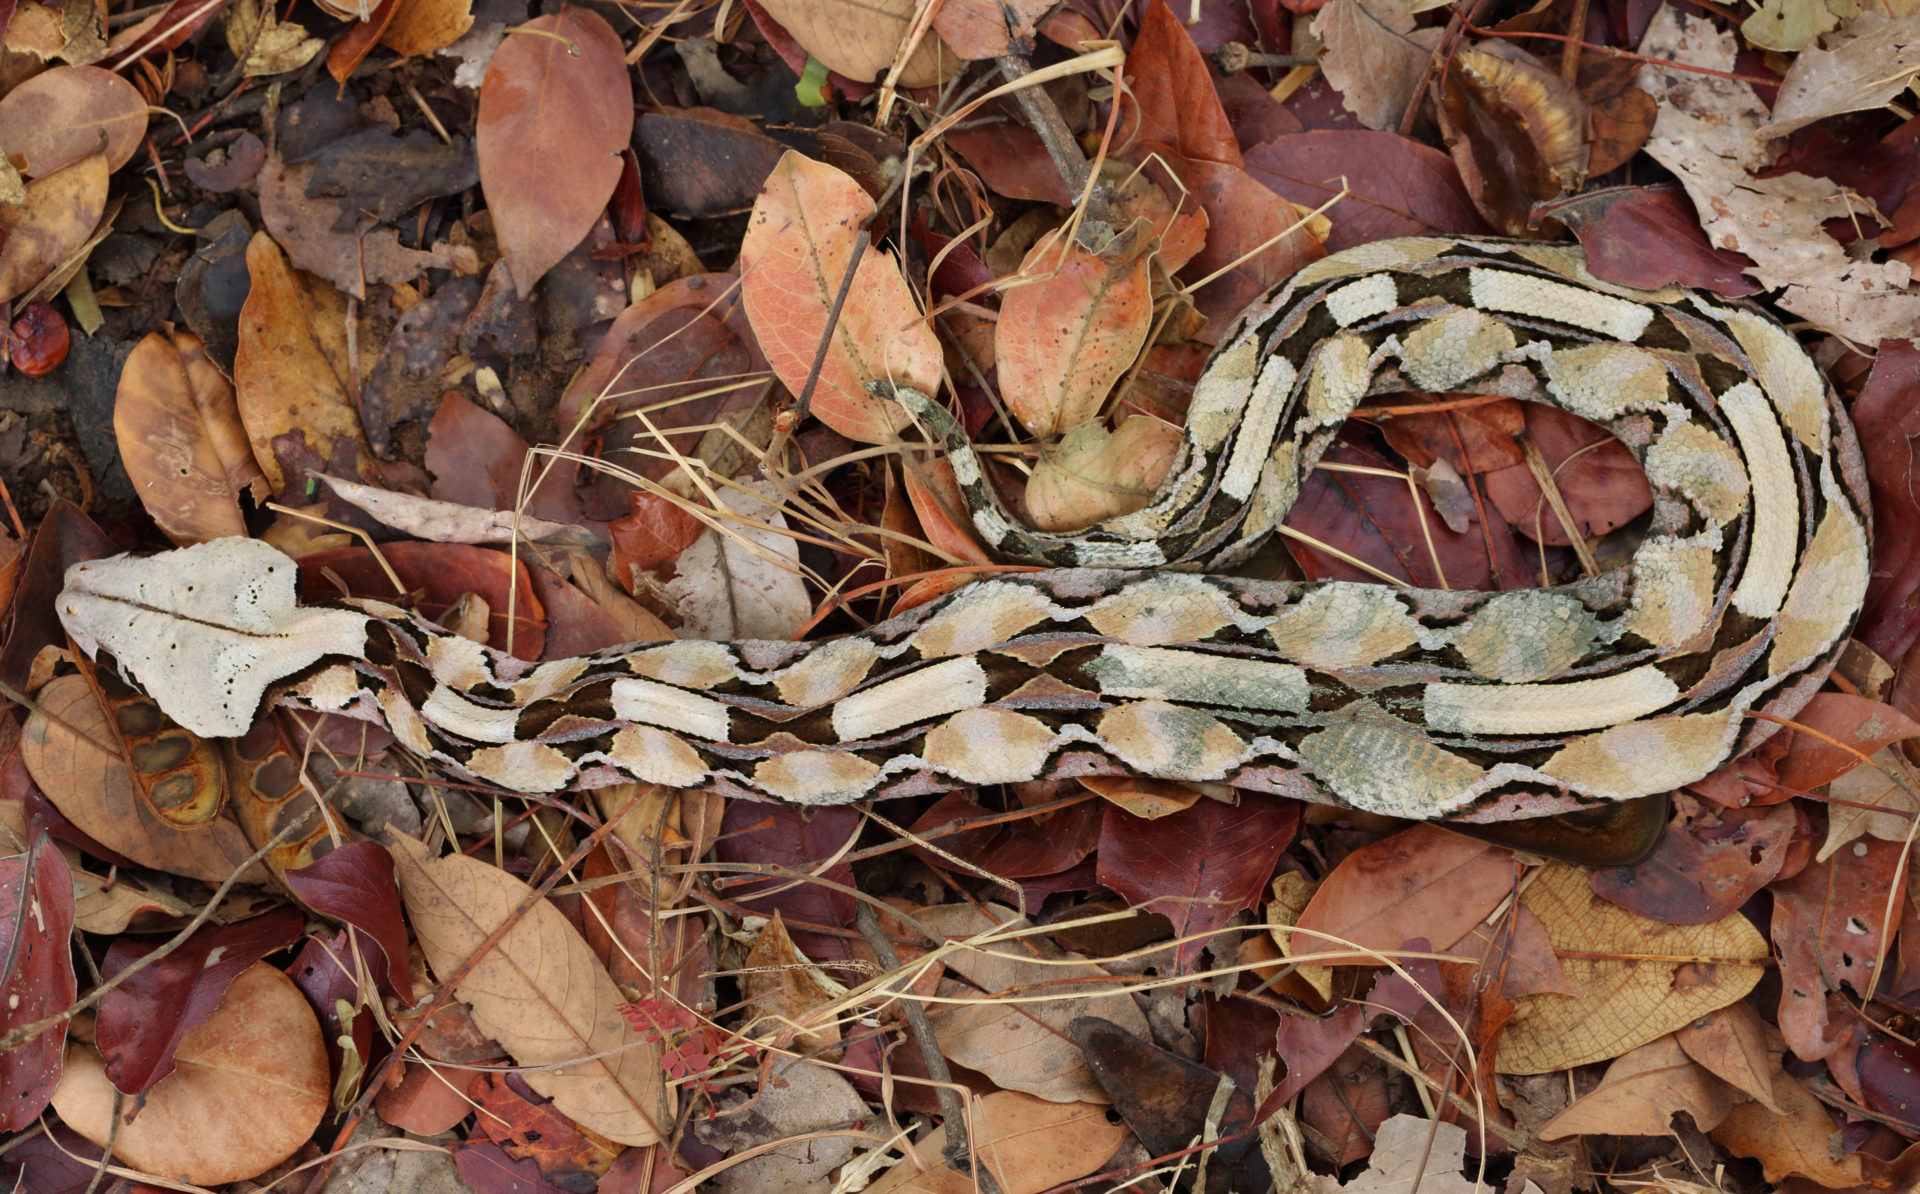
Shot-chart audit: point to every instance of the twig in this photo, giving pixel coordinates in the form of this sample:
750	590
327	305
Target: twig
958	1153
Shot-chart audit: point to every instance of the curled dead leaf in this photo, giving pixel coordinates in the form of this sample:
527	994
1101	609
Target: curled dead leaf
1094	474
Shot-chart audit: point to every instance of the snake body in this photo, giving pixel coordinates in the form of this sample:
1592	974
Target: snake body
1132	657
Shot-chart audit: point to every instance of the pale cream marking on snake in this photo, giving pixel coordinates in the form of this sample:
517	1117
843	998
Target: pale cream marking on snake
917	696
1200	679
1518	294
1776	509
670	708
1254	440
1370	296
1548	708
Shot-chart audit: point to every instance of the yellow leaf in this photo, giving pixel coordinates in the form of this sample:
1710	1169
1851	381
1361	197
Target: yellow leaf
1633	979
539	992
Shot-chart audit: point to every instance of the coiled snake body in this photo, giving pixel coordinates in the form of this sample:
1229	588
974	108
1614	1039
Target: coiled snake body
1130	658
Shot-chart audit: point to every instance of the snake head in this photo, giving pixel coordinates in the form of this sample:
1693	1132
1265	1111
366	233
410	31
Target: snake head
205	630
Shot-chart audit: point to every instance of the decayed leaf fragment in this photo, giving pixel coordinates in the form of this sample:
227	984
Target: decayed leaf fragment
792	260
181	440
539	991
267	45
1633	979
1711	133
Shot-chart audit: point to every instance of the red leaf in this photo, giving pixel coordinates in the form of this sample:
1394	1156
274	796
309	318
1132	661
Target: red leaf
1650	237
1421	882
1396	186
142	1020
443	573
556	111
1829	923
36	974
1887	416
1603	485
1860	722
1173	99
1198	866
354	884
1706	865
1373	519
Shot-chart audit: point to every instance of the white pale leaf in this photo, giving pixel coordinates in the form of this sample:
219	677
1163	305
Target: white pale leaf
205	630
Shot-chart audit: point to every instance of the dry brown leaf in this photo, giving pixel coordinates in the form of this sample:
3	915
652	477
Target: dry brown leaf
1641	1092
860	38
792	260
791	997
249	1087
1732	1044
539	992
1803	1141
62	746
424	26
1411	1152
1633	978
743	582
1030	1145
1072	326
1708	133
1095	474
1022	1046
166	444
286	379
1872	63
555	111
1423	882
61	115
1374	58
60	214
1871	801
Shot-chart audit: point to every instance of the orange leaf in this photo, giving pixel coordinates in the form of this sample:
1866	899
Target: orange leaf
551	129
1073	328
169	448
1421	882
802	234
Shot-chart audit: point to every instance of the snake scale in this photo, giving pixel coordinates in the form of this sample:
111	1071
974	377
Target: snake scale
1132	656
